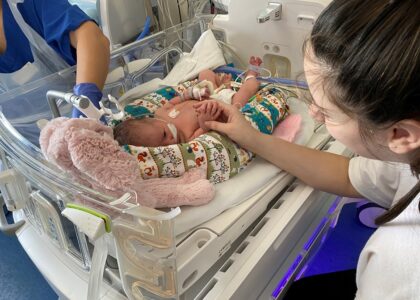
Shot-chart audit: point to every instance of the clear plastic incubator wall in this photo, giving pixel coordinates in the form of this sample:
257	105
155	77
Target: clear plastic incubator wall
251	248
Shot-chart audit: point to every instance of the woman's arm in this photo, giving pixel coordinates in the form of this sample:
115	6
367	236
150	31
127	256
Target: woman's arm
321	170
92	48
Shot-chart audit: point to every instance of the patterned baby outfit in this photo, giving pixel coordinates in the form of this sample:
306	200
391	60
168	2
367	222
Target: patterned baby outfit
217	154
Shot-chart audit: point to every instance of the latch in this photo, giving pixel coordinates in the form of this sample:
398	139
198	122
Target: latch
14	194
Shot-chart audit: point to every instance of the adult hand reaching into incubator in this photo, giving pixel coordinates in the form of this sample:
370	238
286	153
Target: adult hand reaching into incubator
303	162
233	124
92	49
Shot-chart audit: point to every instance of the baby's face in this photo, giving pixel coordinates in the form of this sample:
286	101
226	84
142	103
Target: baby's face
152	132
182	115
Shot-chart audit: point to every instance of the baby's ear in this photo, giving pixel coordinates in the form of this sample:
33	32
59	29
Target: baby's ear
404	136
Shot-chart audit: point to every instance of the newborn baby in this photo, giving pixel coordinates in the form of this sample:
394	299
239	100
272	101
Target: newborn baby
171	124
178	121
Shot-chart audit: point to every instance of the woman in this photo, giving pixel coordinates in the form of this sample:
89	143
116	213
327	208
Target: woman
362	65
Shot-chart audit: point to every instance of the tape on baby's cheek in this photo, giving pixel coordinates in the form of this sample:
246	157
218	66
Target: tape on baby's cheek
173	130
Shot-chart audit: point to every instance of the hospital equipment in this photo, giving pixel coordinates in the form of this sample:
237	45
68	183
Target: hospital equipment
263	224
271	12
122	21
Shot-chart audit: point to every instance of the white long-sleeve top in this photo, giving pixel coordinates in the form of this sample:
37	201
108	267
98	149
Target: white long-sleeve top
389	264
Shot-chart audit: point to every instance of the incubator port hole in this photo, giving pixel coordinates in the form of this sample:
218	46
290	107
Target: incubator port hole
292	187
201	243
226	266
206	289
242	247
277	204
111	262
259	226
279	66
189	279
327	146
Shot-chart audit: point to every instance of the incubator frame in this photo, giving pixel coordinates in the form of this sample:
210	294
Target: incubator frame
152	261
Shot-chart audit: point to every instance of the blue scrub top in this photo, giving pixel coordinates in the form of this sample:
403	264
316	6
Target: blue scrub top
53	20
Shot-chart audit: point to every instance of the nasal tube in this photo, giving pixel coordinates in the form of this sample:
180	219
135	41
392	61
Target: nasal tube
173	130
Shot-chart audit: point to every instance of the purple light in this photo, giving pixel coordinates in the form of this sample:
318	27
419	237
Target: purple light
334	205
315	234
285	279
307	245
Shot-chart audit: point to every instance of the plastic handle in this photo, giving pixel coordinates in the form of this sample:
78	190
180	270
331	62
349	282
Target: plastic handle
6	228
306	18
91	225
13	189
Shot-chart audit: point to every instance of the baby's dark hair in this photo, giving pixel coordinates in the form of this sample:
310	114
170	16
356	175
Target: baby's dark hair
123	132
369	56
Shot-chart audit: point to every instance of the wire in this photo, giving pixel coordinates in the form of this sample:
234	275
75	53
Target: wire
241	62
179	11
168	11
159	4
156	21
184	41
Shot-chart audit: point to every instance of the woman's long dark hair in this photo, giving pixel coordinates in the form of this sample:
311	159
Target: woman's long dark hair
369	52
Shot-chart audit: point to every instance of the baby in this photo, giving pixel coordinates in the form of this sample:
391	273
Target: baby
178	121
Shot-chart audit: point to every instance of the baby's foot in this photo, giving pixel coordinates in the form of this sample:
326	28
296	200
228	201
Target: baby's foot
208	111
225	79
254	61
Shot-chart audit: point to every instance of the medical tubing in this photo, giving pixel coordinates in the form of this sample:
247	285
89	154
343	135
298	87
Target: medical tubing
285	81
146	29
100	253
136	44
156	58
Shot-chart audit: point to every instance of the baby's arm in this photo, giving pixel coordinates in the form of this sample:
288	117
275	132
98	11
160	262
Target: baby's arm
250	86
192	93
175	100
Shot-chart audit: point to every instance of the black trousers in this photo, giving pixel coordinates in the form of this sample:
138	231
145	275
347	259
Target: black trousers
330	286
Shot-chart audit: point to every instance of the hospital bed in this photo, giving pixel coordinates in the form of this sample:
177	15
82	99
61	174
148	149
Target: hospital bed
259	237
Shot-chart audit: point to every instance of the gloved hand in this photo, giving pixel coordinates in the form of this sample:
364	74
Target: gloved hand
89	90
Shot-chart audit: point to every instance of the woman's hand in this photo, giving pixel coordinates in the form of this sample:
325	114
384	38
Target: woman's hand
233	124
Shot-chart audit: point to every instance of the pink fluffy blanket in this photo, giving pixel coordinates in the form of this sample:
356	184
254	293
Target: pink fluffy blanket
86	149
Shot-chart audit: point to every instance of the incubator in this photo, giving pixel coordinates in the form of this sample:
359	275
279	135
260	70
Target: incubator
250	242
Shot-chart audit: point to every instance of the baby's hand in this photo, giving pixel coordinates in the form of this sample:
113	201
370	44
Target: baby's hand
225	79
207	111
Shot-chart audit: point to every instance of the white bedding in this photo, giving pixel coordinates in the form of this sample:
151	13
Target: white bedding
244	185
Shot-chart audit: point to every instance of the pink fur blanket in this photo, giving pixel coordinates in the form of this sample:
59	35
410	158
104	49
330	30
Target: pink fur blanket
86	149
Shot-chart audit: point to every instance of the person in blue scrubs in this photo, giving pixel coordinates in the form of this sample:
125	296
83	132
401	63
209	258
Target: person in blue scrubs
65	29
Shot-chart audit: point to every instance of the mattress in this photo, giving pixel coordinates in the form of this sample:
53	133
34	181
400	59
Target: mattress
246	184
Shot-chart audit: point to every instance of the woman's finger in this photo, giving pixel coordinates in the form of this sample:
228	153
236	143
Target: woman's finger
217	126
